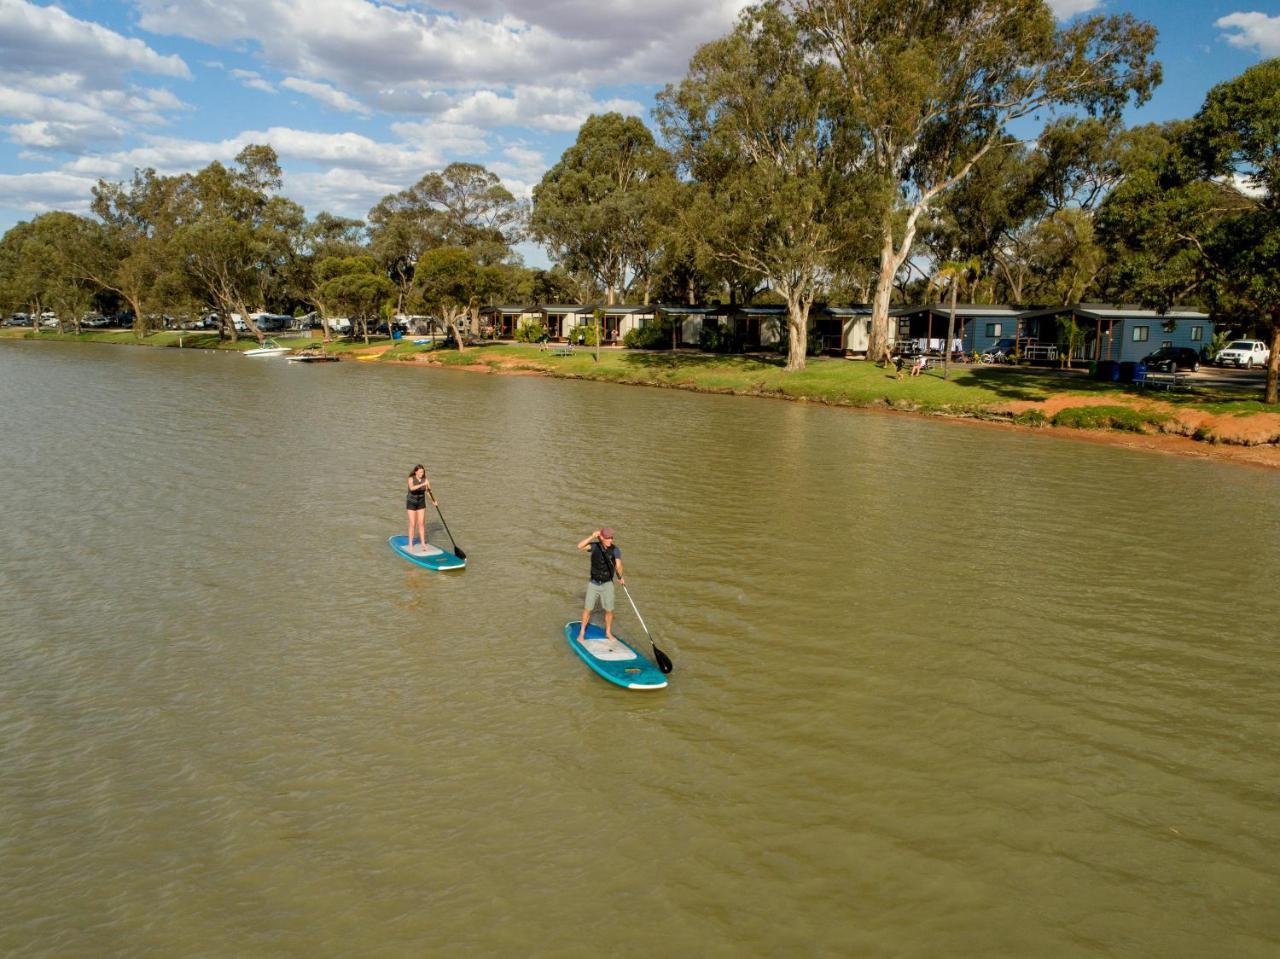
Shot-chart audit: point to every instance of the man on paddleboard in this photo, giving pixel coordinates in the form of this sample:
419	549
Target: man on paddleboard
606	558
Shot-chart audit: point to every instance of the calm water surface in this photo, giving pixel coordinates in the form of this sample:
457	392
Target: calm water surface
939	691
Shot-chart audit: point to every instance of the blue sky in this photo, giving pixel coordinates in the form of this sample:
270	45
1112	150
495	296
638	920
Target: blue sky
362	97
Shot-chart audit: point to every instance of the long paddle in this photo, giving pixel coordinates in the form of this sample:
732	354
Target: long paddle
663	660
457	551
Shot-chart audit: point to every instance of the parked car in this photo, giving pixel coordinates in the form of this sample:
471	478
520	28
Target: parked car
1171	359
93	320
1246	353
19	319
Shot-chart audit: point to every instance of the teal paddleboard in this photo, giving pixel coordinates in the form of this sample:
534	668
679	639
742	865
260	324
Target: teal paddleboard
615	661
428	557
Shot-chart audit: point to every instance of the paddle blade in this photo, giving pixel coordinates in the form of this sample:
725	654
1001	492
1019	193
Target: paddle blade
459	552
663	660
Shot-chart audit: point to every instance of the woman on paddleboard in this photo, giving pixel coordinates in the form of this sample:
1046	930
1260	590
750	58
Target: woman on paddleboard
415	504
606	559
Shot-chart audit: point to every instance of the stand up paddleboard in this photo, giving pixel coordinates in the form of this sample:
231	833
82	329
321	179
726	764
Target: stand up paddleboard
429	557
615	661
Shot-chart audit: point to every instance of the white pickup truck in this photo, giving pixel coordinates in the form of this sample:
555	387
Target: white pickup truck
1246	353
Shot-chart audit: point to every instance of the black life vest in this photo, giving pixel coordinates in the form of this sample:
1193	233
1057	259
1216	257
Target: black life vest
601	568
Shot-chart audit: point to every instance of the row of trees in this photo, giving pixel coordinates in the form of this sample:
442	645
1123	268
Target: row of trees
223	240
824	149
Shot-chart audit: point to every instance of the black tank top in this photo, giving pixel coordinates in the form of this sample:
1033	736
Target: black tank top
417	499
601	568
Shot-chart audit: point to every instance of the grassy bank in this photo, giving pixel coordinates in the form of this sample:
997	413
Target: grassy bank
1034	397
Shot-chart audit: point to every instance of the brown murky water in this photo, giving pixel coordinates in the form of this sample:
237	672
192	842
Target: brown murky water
939	691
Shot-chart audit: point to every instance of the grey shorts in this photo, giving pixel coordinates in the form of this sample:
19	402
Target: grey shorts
602	592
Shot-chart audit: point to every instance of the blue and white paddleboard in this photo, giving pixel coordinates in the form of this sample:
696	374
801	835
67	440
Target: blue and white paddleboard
429	557
615	661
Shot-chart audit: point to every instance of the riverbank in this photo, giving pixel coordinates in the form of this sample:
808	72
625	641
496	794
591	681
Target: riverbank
1214	419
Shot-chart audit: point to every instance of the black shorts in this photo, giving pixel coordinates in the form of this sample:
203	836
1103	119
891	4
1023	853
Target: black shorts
415	502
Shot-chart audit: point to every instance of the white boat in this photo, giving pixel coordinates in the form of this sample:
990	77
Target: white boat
268	348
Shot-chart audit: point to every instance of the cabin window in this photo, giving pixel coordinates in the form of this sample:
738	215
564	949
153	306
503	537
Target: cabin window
1140	333
994	329
1197	334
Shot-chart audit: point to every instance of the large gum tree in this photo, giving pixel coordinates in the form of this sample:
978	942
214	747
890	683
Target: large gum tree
752	125
1199	217
931	86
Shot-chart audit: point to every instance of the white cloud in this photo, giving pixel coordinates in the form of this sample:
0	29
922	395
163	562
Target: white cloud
35	38
330	96
1066	9
396	53
253	80
546	108
1252	31
68	79
345	173
36	193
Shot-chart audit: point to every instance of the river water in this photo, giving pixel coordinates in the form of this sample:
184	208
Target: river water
939	690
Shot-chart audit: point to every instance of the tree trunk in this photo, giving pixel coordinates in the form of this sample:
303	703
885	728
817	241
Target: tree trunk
451	319
878	338
1272	395
798	328
951	330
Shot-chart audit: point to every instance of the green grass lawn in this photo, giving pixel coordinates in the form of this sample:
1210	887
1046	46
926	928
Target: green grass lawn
970	389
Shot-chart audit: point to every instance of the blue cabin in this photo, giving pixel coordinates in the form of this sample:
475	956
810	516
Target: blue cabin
1121	333
978	327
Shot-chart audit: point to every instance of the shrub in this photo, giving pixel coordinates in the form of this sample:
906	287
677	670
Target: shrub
653	336
715	338
1107	418
534	331
583	335
1031	418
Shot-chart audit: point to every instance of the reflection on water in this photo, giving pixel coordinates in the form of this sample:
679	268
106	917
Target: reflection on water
938	690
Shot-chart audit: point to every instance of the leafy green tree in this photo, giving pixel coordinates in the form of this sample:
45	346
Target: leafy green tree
355	285
448	281
464	205
593	209
931	87
951	274
327	236
753	125
1199	215
138	221
232	237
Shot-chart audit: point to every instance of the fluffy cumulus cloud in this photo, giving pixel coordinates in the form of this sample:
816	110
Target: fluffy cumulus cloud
1066	9
67	81
1252	31
405	59
34	193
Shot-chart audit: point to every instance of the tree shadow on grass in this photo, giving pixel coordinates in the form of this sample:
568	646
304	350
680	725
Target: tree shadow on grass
655	361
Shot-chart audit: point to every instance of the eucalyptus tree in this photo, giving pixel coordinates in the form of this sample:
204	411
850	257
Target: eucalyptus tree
463	205
753	124
594	209
1201	216
47	264
232	235
931	87
355	285
450	282
138	221
324	237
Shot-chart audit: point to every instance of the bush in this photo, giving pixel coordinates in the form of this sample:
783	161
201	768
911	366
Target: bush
532	332
715	338
1031	418
654	336
584	335
1107	418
